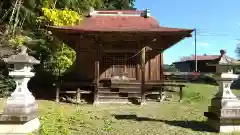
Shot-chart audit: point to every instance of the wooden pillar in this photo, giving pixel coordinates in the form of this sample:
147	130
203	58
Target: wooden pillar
149	66
78	97
137	71
125	63
143	61
161	67
57	94
180	94
97	64
77	50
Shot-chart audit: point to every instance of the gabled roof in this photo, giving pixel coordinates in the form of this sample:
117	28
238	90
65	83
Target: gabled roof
121	20
121	25
206	58
200	57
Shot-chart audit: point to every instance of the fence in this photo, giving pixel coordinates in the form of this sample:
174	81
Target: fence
190	77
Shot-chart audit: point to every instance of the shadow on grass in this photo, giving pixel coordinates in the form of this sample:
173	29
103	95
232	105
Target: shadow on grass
194	125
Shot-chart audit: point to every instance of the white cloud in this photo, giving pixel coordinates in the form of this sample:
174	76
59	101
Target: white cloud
204	44
238	25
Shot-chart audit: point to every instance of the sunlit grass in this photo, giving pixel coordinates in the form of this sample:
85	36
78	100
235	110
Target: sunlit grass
165	118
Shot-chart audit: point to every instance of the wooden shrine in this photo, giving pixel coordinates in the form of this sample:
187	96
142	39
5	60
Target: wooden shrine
119	52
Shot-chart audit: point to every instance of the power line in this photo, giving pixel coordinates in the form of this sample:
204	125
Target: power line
195	41
214	35
202	32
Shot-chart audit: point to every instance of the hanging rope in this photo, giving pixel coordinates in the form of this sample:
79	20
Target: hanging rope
126	59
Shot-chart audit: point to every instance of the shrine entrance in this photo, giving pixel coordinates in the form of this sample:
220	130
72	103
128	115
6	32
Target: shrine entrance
120	53
119	63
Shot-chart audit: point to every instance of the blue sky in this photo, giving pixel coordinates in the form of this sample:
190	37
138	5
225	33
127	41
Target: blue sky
217	23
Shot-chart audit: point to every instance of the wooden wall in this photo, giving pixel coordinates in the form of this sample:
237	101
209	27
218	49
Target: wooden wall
87	54
152	67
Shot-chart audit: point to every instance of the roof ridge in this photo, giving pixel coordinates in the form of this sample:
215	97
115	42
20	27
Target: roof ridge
120	10
140	13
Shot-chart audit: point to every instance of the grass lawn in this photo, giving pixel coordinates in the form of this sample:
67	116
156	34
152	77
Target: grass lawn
165	118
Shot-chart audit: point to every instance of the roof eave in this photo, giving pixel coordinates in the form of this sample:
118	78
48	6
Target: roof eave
185	32
194	60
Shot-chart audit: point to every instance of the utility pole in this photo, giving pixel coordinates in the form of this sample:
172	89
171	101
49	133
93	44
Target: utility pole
195	47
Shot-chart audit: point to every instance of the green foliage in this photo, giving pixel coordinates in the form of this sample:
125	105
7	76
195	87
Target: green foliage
21	16
107	124
210	75
57	125
19	40
194	97
62	59
63	56
31	9
198	93
7	84
119	4
60	17
168	118
238	50
58	121
170	68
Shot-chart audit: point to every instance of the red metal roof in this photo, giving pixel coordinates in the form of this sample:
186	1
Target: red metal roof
121	20
202	57
125	23
122	23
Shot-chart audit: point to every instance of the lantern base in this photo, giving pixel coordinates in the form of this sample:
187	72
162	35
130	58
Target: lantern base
20	104
16	110
19	125
224	115
228	124
220	102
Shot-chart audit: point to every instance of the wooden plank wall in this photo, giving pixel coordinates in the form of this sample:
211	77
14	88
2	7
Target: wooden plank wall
86	57
87	54
130	69
152	67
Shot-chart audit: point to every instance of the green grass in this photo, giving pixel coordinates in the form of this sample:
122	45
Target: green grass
165	118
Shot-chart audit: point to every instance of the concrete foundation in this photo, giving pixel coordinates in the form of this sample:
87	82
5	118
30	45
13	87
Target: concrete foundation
19	127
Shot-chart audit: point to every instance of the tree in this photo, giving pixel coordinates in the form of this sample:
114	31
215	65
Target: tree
238	50
170	68
119	4
21	19
19	25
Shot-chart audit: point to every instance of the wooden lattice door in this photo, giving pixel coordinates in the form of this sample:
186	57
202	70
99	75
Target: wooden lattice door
118	63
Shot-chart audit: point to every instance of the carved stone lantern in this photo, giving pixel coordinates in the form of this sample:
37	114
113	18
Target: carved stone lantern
20	108
224	111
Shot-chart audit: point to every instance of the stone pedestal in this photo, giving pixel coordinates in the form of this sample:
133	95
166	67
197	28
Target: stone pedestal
18	125
21	100
20	111
224	113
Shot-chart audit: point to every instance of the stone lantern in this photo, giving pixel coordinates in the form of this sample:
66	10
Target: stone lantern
19	113
224	111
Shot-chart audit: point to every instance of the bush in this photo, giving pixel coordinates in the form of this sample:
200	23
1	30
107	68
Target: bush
7	83
193	97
